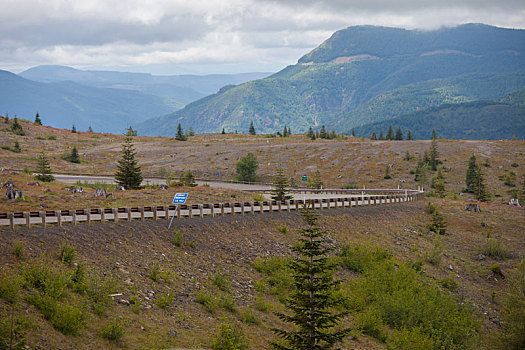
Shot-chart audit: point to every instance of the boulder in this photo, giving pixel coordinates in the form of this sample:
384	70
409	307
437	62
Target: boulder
473	208
120	188
14	194
514	202
163	187
9	184
100	192
36	183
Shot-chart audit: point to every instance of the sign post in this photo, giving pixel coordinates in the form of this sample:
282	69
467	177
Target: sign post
180	198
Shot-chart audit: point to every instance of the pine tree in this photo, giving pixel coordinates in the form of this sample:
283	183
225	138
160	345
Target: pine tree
128	172
16	128
191	132
316	182
251	130
17	148
471	174
433	155
480	188
420	172
311	304
381	134
43	169
289	131
438	224
223	132
409	135
73	129
390	133
434	134
353	131
373	137
285	132
280	183
322	133
37	119
90	129
130	132
387	173
180	135
311	133
74	157
399	134
247	168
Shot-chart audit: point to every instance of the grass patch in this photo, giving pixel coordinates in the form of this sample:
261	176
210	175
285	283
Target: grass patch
494	249
164	300
67	253
361	258
208	300
114	329
221	281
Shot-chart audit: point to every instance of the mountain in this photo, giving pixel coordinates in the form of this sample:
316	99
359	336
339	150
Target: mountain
62	104
183	88
364	74
502	119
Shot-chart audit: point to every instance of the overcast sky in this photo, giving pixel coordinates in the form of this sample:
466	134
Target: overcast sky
210	36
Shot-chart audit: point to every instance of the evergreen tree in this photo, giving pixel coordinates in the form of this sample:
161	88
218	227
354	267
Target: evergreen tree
316	182
16	128
285	131
247	168
17	148
128	172
409	135
470	178
353	131
399	134
381	134
43	169
408	156
130	132
433	155
280	183
188	179
480	188
439	188
74	157
73	129
251	130
191	132
180	135
387	173
312	303
322	133
438	224
390	133
373	137
289	131
420	172
90	129
223	132
434	134
332	135
311	133
37	119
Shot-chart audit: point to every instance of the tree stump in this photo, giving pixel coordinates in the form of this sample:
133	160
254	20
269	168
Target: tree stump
473	208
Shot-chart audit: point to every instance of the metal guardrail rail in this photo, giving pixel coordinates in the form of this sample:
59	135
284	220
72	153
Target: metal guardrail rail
75	216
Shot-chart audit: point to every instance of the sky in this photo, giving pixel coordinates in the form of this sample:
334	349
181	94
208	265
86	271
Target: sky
211	36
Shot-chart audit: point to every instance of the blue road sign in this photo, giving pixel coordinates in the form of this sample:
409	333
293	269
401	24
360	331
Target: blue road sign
180	198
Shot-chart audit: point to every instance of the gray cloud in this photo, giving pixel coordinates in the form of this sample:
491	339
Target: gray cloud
249	33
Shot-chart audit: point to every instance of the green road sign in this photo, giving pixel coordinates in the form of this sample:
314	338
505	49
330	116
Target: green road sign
305	178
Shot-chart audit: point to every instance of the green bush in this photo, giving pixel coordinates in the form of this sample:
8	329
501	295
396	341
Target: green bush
9	287
114	329
361	258
67	253
98	290
283	228
495	249
279	280
261	305
228	303
270	265
207	299
514	311
164	300
410	339
434	255
248	316
68	319
177	238
369	322
154	272
229	336
18	249
449	283
221	281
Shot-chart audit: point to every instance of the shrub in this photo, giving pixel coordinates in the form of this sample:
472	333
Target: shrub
430	208
9	287
438	224
67	253
228	303
449	284
177	238
154	272
370	323
283	228
495	249
410	339
98	290
221	281
258	198
248	316
207	299
18	249
514	311
229	336
434	255
164	300
361	258
261	305
114	329
68	319
351	187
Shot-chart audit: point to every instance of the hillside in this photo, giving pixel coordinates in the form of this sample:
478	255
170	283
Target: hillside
363	74
63	104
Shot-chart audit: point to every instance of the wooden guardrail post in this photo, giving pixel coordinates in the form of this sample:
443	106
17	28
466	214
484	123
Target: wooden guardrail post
252	209
11	217
232	208
242	208
58	214
87	212
212	208
73	214
42	215
221	206
115	214
28	218
288	205
201	210
155	214
128	211
142	215
166	210
101	212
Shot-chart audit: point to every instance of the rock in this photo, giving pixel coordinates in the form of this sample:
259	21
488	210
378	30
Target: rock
172	333
100	192
9	184
481	257
515	202
119	188
13	194
123	301
36	183
163	187
473	208
483	224
450	267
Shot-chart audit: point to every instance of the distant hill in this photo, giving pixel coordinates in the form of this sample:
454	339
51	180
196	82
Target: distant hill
364	74
503	119
62	104
183	88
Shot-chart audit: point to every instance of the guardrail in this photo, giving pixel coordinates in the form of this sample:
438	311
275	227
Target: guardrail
76	216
